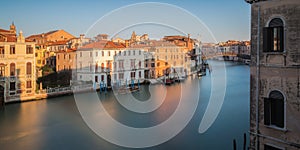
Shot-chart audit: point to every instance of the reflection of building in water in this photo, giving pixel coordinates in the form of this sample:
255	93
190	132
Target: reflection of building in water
275	75
17	66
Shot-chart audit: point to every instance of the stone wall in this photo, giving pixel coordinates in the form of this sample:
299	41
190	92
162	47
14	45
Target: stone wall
278	71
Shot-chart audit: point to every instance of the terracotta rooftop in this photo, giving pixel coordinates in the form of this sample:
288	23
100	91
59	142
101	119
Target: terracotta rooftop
59	42
104	45
67	50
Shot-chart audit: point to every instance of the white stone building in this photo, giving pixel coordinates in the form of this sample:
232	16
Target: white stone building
129	67
95	62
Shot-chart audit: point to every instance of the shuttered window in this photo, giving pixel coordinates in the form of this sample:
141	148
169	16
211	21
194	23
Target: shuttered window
274	109
273	36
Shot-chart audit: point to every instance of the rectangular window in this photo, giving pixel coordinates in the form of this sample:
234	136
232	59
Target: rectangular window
96	54
12	49
132	64
132	75
91	54
80	54
133	52
28	84
2	51
121	64
102	53
140	52
152	64
140	74
121	76
28	68
102	77
29	49
12	86
96	78
108	53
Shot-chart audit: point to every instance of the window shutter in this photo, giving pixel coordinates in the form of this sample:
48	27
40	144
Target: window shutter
267	111
281	37
267	39
279	106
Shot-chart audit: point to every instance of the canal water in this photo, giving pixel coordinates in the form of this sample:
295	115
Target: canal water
57	124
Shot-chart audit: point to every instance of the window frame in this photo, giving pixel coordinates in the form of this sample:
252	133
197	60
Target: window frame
268	36
268	101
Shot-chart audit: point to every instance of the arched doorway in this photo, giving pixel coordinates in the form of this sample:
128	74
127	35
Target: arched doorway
1	95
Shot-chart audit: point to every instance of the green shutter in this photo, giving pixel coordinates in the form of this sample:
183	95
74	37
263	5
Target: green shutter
267	39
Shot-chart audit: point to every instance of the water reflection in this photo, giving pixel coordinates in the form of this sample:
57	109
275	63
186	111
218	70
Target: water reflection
57	124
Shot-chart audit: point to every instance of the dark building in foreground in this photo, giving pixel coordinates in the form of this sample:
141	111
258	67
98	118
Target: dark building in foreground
275	70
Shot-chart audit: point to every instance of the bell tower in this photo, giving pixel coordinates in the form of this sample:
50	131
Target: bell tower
12	28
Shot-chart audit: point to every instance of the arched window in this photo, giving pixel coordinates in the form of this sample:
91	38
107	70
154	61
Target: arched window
12	69
274	109
274	36
28	68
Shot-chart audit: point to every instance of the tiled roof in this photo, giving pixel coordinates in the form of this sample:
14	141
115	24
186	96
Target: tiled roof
59	42
161	43
67	50
103	45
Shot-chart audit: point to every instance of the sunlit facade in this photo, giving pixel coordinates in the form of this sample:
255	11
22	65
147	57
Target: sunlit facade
17	66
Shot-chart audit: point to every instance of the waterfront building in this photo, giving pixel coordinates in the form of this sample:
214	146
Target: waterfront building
95	61
47	44
17	66
66	60
129	67
275	75
165	54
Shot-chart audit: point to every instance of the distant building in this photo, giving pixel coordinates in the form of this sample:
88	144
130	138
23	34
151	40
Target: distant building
101	37
66	60
168	54
17	66
129	67
181	41
275	75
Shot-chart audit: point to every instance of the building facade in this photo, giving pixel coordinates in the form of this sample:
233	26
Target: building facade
168	59
275	75
66	60
17	67
129	67
95	61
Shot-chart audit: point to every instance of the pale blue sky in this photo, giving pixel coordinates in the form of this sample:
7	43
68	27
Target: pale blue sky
227	19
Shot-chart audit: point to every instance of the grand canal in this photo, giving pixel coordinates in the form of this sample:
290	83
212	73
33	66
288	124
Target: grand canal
57	124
